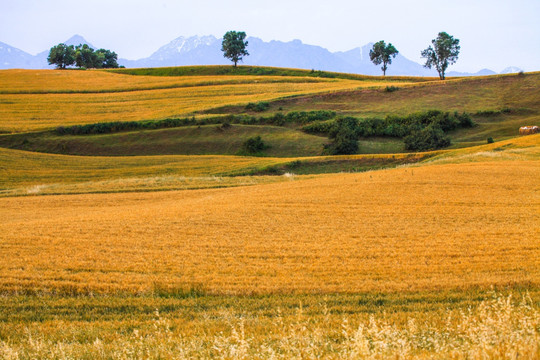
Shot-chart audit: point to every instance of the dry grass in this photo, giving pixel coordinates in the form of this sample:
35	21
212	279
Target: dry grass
467	94
499	328
61	81
41	99
20	170
424	228
29	173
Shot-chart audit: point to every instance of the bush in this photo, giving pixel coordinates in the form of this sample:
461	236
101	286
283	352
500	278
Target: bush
490	140
345	140
464	119
278	119
258	107
304	117
320	127
391	89
254	145
429	138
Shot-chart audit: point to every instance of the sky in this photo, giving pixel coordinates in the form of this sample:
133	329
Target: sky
493	34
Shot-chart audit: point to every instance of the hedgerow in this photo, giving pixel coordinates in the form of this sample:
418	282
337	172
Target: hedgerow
278	119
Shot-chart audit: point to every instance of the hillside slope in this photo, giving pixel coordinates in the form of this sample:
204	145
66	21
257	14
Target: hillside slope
418	228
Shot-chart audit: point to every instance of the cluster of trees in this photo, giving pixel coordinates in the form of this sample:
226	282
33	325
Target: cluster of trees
442	52
82	56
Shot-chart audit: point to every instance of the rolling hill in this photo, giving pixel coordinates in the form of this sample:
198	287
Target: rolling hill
131	226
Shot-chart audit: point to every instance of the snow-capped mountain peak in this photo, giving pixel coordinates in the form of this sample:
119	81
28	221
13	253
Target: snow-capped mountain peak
183	45
511	70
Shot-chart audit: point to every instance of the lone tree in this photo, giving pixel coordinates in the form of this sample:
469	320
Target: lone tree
382	54
444	52
61	55
234	46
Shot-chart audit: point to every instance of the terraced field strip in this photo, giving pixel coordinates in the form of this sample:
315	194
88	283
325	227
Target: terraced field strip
79	97
95	81
22	168
520	93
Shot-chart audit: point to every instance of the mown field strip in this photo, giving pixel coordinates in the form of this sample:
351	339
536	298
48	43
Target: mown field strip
22	168
61	81
41	99
424	228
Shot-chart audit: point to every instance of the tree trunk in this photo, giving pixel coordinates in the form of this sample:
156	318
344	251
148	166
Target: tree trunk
441	75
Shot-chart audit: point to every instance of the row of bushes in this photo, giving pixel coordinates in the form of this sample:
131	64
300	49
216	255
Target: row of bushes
394	126
488	113
420	131
117	126
279	119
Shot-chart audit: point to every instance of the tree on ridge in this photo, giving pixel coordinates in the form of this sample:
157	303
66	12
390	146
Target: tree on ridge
61	55
234	46
444	52
382	54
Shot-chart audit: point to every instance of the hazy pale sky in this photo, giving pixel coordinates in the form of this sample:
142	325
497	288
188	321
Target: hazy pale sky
493	33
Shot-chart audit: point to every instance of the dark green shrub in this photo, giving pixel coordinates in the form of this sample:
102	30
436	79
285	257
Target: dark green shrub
278	119
304	117
319	127
490	140
390	89
254	145
344	138
464	119
429	138
258	107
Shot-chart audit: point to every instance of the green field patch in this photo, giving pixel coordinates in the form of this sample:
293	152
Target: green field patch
187	140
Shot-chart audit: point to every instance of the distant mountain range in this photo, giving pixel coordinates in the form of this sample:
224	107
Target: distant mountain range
206	50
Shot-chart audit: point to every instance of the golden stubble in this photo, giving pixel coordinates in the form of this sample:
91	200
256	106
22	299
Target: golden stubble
423	228
42	99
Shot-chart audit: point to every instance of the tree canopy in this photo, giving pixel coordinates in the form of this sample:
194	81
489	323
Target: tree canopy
234	46
61	55
383	54
444	51
82	56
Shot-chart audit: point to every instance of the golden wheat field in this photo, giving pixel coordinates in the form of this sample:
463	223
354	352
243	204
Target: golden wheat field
44	99
407	229
207	256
